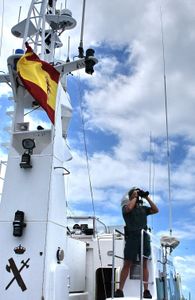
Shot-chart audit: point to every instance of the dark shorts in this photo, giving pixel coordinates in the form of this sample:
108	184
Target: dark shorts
133	246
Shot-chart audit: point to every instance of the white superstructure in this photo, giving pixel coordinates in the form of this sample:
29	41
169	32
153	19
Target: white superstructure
44	255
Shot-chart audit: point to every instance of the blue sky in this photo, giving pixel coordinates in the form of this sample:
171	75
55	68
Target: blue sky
122	105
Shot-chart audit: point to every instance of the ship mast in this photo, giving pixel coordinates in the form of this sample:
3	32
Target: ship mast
33	218
42	27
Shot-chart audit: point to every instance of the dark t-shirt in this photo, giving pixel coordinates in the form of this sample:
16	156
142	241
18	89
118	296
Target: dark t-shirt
137	218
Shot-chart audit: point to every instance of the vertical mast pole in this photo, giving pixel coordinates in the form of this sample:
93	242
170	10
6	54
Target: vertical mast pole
167	126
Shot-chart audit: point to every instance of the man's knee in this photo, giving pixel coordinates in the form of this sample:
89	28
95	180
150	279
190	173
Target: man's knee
127	264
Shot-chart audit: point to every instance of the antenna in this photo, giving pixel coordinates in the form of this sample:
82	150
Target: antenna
82	31
65	4
150	165
167	125
19	13
68	52
151	171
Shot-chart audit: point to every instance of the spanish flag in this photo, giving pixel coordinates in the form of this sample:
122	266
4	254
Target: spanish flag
40	79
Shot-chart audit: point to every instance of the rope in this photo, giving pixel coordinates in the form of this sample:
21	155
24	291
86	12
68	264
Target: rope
167	125
90	181
2	25
29	112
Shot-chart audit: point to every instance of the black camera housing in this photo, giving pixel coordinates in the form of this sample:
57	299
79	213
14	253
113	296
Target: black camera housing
143	194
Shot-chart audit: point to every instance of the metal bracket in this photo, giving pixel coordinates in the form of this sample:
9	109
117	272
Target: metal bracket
67	172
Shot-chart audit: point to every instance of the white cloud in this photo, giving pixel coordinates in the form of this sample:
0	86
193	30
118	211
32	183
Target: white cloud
126	98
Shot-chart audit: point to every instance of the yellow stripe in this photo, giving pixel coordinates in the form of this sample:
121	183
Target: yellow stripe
32	71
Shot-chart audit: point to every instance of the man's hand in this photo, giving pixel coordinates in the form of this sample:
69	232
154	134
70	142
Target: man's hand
154	209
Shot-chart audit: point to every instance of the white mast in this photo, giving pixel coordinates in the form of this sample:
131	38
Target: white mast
33	262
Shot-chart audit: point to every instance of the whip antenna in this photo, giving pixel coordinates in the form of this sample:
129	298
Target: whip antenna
167	125
68	52
81	51
2	26
19	14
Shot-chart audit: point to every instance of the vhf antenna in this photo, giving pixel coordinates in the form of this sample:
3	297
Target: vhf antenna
68	52
81	50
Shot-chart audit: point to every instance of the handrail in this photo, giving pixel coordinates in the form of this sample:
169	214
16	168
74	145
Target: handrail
94	219
142	262
113	263
1	164
116	230
113	259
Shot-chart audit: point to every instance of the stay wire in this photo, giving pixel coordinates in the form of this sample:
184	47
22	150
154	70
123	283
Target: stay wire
167	124
85	148
90	181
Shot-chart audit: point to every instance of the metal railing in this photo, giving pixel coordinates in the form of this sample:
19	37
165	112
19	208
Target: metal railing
2	177
94	221
141	261
113	259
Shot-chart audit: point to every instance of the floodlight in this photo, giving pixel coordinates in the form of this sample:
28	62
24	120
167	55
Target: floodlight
28	144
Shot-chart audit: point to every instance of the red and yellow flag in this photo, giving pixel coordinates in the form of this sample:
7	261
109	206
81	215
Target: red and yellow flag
40	79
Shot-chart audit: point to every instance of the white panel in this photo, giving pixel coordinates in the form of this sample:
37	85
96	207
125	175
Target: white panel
26	189
60	283
56	238
76	253
63	108
32	275
57	208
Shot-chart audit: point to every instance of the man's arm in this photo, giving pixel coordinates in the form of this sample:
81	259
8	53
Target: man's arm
153	208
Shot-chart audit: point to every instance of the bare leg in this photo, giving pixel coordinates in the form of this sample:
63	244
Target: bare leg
145	273
124	273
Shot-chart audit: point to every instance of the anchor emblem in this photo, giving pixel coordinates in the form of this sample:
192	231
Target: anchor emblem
16	272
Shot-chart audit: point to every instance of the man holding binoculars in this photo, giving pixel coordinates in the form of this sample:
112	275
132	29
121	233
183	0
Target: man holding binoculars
135	216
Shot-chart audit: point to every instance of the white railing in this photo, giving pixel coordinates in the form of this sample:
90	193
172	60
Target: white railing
143	232
3	165
141	262
113	260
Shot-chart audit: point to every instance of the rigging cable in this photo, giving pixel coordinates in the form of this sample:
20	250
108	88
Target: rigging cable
90	181
167	125
85	148
2	25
